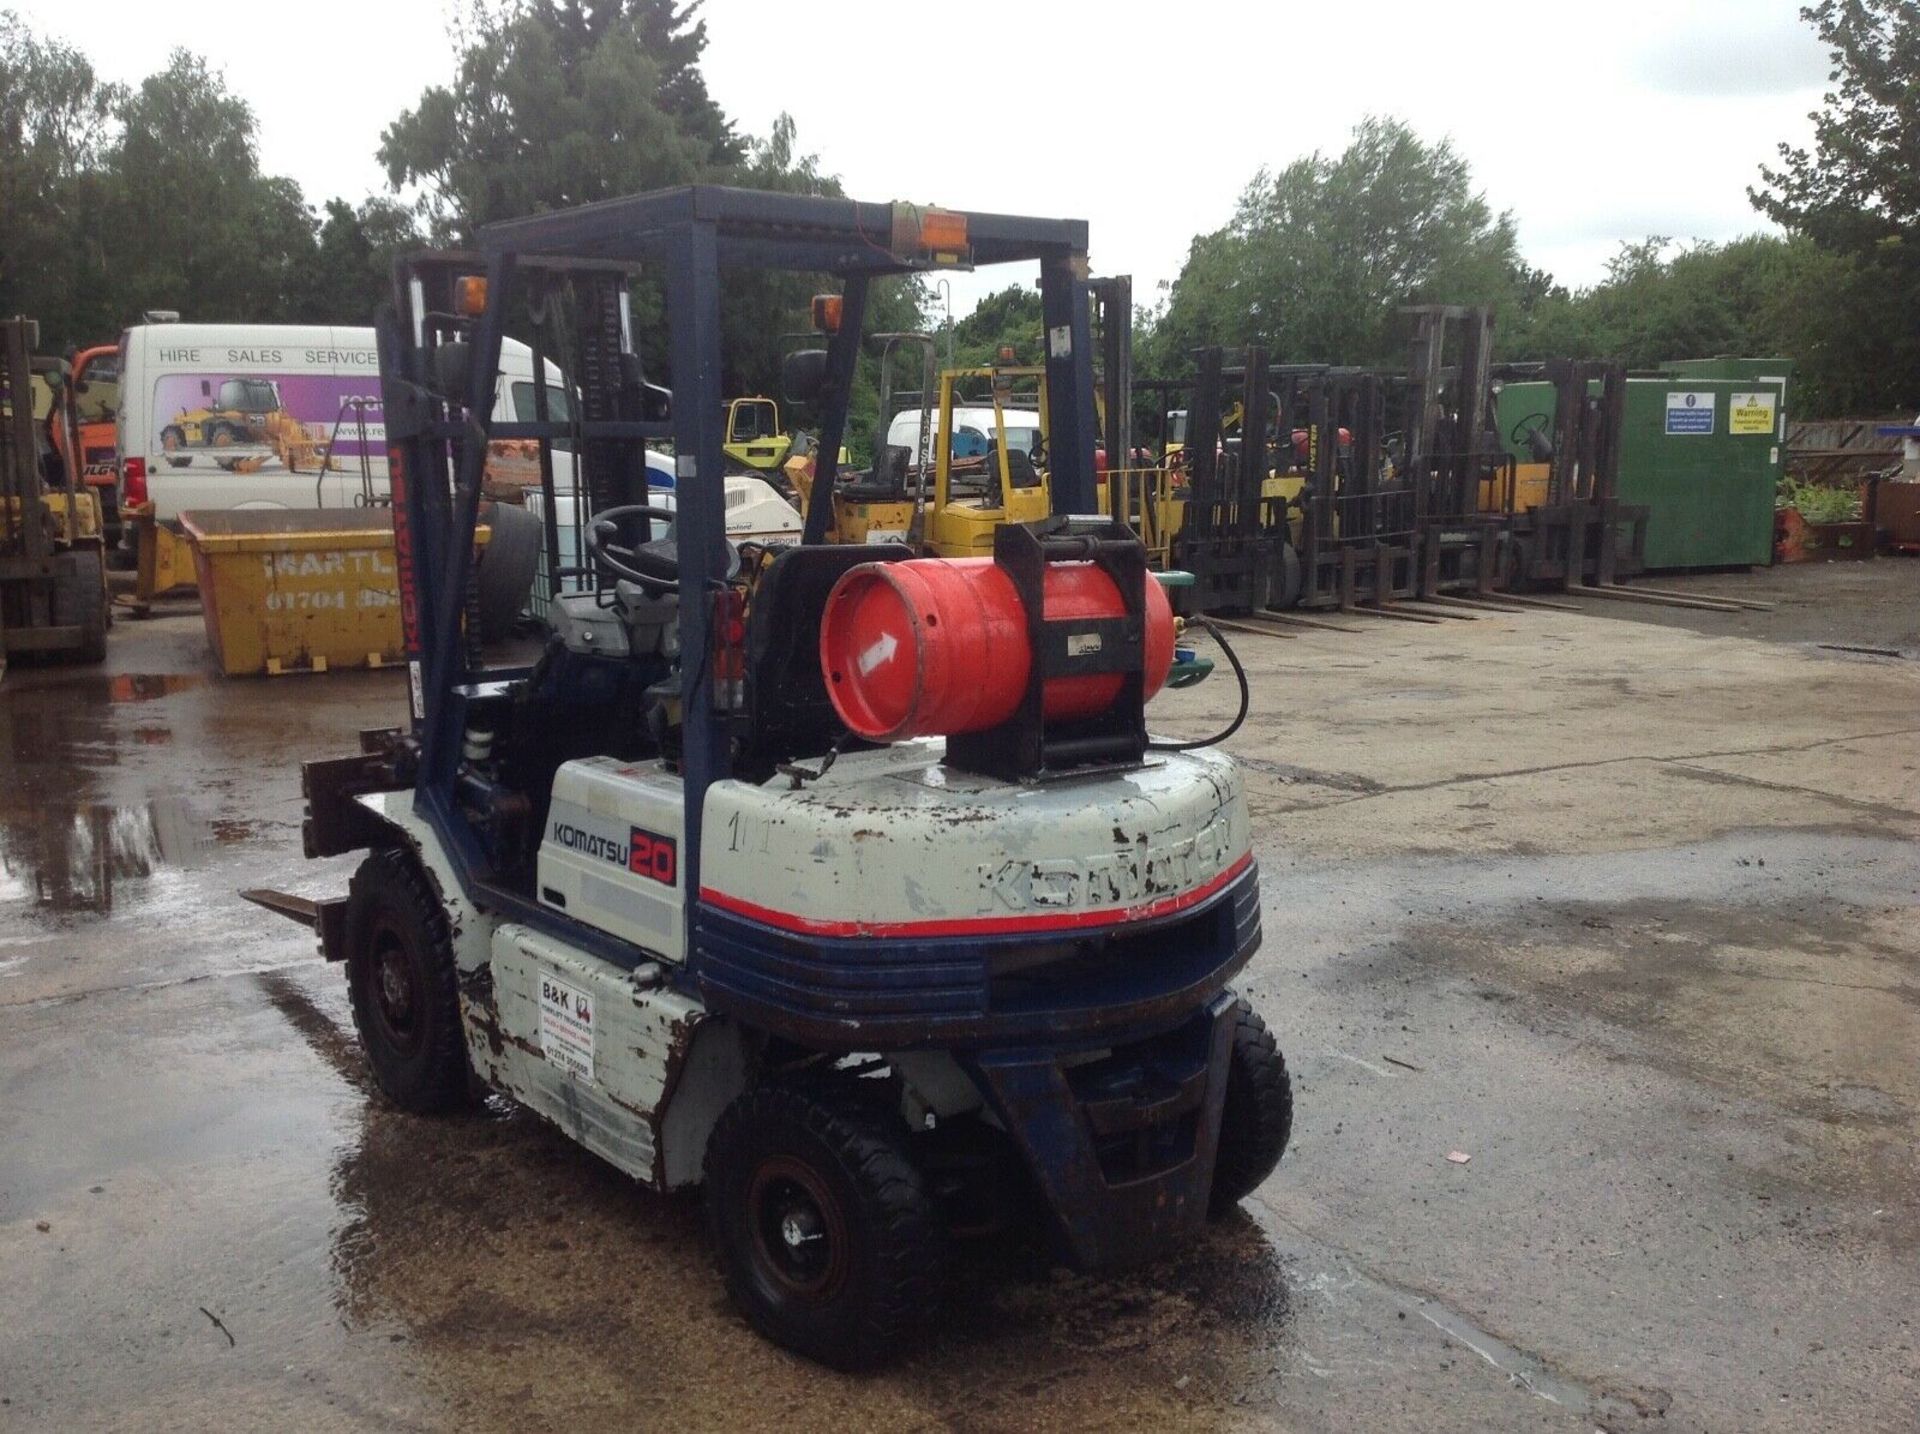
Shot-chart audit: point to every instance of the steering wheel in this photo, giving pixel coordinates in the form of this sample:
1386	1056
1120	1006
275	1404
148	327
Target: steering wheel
1523	431
655	565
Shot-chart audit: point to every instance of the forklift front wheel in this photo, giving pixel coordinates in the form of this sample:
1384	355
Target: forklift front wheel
401	978
1257	1117
826	1232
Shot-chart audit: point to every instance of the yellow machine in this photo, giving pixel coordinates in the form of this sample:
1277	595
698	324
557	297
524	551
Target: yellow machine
246	413
1284	484
754	438
952	512
53	582
1516	488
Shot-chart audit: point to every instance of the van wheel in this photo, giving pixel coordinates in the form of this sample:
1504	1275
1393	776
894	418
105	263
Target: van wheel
826	1232
402	983
1258	1114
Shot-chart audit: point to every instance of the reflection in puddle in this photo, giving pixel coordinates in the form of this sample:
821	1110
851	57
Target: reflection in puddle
64	857
147	686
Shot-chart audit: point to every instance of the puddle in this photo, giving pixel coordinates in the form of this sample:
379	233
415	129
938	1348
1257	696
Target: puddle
149	686
67	858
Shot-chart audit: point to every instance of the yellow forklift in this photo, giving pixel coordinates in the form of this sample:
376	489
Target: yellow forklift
939	504
53	577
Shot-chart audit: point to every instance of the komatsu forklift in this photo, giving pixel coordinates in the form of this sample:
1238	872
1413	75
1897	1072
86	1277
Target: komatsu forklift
885	929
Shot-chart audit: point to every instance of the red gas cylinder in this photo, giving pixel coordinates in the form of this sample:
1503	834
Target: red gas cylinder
938	646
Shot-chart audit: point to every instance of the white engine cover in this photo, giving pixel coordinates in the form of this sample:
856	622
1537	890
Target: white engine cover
893	843
757	512
611	852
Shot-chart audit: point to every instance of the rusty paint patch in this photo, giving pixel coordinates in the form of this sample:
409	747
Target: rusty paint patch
476	992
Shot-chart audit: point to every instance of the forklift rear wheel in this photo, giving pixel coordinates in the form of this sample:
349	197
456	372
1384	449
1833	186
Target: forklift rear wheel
401	977
1258	1114
825	1229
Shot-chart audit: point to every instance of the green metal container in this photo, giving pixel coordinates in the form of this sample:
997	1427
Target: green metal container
1702	452
1740	370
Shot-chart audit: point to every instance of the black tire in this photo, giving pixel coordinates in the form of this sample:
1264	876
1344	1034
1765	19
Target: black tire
507	566
1258	1114
403	985
826	1232
80	600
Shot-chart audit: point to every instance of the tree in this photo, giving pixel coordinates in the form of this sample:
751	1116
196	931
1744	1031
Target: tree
351	271
1319	257
676	39
564	102
1856	193
55	119
1760	295
1859	186
1009	318
558	104
192	223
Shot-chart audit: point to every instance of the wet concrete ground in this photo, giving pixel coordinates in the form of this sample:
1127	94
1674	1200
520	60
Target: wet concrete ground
1623	911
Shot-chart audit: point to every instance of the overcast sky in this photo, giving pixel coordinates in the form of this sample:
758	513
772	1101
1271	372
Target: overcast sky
1592	123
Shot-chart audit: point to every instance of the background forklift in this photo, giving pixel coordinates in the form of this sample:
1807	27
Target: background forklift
92	393
706	887
920	493
53	581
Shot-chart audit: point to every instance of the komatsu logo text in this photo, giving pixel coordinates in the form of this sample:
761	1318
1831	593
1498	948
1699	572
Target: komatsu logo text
1125	877
590	843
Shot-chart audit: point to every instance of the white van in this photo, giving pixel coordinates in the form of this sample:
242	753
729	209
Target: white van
270	416
973	430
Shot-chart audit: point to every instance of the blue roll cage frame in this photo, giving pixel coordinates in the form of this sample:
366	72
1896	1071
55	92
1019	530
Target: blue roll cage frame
688	234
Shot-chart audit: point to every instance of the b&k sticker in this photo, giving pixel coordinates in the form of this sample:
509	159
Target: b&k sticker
566	1026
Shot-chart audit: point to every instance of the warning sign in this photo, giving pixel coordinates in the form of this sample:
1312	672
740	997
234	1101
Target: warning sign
1750	413
566	1027
1690	412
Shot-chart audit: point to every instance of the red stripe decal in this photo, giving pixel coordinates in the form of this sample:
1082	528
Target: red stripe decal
979	925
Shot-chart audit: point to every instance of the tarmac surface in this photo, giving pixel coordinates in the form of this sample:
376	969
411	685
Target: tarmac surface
1623	911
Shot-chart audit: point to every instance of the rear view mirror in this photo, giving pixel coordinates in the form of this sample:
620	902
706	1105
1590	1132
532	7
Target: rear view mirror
803	375
452	368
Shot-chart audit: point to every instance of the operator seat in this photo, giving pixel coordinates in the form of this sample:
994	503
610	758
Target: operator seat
792	718
1021	471
885	483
